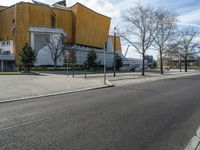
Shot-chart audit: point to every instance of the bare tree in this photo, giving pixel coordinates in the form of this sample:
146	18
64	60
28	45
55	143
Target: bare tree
188	44
55	46
141	26
165	32
172	52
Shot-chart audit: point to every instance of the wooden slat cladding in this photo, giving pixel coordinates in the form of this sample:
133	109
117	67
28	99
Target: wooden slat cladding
64	20
92	29
22	26
6	23
82	25
2	7
40	16
118	42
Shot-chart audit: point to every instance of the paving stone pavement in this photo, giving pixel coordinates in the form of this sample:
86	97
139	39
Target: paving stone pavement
137	79
13	87
22	86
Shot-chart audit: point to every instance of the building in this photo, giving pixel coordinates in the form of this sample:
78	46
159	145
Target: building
32	23
7	59
174	61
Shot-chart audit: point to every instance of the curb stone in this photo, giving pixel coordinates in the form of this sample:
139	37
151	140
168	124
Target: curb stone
150	79
193	143
198	132
109	83
57	93
198	148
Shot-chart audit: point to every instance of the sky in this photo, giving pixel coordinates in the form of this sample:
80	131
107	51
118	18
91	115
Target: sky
188	11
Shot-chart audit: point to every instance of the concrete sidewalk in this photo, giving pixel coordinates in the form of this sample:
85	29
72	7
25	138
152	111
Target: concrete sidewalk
137	78
26	86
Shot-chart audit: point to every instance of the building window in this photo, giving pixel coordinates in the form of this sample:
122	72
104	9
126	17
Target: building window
8	43
3	44
6	52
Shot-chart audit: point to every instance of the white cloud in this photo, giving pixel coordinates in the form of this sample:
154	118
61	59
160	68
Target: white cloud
100	6
190	17
11	2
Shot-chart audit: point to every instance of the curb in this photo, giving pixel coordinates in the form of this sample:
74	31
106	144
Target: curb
198	132
193	143
109	83
152	79
58	93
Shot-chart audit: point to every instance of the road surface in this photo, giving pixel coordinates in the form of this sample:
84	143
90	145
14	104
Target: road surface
160	115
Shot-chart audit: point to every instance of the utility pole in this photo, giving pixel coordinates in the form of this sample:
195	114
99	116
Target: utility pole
105	49
180	62
67	53
114	58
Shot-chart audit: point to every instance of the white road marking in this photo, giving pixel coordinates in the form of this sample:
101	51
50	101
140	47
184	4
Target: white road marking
198	132
198	148
194	144
33	122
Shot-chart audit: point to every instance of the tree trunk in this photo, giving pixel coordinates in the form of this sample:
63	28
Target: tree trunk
28	68
143	64
180	64
161	63
186	64
55	63
25	68
20	68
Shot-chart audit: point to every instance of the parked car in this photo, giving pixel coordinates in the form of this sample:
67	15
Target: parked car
136	68
125	67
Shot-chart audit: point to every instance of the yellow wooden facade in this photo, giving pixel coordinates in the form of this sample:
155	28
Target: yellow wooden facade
2	8
91	28
7	22
118	43
82	25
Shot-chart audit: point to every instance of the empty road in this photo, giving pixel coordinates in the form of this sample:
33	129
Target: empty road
161	115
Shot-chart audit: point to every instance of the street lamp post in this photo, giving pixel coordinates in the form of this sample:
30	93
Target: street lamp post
67	53
105	49
114	58
180	62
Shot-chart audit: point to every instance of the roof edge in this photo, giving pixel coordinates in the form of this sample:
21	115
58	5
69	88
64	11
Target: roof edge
78	3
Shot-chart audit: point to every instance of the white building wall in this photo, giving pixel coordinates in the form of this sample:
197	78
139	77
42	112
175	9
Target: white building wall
44	57
82	52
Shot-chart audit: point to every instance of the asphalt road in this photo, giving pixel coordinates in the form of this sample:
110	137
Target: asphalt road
161	115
